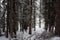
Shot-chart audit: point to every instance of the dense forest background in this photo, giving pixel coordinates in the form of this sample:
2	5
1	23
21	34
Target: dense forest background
29	15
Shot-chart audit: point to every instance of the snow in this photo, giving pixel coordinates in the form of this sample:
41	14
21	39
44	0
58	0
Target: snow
39	30
36	34
3	38
55	38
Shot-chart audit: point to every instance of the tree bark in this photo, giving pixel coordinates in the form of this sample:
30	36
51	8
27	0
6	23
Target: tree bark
11	18
30	27
57	28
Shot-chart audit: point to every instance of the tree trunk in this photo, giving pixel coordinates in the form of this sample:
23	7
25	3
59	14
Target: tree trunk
7	28
11	17
57	28
30	27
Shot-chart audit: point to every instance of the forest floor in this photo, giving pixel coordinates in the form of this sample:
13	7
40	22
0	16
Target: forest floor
3	38
39	34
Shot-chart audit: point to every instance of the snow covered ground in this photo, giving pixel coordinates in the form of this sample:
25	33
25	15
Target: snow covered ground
3	38
35	34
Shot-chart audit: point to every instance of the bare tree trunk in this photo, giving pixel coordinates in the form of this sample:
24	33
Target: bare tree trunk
52	15
7	28
46	13
57	28
30	27
33	14
11	18
40	13
34	19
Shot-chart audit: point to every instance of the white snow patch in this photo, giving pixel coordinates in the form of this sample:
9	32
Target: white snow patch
3	38
55	38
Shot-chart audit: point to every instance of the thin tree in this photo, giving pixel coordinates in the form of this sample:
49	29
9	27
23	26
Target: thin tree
30	27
